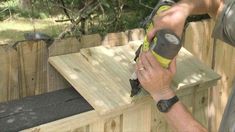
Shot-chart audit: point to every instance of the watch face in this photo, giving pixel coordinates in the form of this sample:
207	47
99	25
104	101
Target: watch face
165	105
162	106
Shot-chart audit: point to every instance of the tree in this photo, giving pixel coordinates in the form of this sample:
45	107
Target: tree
25	5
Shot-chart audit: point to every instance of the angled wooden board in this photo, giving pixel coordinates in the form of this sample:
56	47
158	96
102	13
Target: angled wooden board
101	75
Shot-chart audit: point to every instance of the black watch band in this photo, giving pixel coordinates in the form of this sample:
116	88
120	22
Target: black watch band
165	105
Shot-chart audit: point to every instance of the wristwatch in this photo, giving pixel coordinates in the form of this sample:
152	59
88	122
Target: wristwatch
165	105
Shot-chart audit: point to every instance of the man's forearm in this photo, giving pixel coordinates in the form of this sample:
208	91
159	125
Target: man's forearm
178	116
202	6
182	120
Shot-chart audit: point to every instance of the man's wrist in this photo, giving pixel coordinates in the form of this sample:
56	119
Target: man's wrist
187	6
164	95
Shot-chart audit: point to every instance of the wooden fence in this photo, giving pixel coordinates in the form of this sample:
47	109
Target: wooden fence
220	57
25	71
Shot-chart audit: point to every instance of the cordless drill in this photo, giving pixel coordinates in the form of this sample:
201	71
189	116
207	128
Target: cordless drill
165	45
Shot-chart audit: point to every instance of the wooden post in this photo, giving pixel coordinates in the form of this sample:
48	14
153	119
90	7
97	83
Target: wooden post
9	86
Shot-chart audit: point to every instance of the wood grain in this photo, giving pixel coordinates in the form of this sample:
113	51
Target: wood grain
219	56
225	66
101	75
32	67
9	85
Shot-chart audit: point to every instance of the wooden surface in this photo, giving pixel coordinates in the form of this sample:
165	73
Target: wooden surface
23	68
141	117
198	42
101	75
32	67
220	57
225	66
9	85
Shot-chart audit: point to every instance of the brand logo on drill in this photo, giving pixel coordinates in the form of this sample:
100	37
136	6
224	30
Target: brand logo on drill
172	39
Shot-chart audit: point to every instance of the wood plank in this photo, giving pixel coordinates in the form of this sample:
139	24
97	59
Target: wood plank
141	117
67	124
224	65
9	87
198	40
83	77
115	39
92	40
114	124
97	126
191	71
159	123
64	46
82	129
200	106
60	47
55	80
136	34
67	46
32	67
101	74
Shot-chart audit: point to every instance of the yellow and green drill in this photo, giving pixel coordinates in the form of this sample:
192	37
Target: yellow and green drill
165	45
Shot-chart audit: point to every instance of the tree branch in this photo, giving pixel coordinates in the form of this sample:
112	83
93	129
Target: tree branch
84	14
140	2
66	12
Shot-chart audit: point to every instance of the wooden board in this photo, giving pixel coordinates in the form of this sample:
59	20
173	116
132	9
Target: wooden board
141	117
67	46
115	39
199	42
101	74
9	86
225	66
32	67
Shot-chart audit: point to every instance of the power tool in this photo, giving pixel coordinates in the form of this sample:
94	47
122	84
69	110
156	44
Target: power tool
165	45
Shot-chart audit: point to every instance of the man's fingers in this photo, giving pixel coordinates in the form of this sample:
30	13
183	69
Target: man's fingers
152	60
140	63
141	74
146	63
172	66
151	34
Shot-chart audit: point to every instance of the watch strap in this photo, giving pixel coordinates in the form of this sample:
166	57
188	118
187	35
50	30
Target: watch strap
165	105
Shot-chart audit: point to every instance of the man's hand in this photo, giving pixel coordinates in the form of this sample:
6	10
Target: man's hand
173	18
154	78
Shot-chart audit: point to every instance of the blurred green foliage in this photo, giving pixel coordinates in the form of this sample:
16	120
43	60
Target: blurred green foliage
110	16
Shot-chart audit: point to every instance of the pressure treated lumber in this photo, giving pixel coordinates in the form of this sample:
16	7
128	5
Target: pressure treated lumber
225	66
101	75
9	85
220	57
33	57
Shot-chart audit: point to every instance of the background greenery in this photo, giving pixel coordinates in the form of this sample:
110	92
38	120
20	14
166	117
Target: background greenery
109	16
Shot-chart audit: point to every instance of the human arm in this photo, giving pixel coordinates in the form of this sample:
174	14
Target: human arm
156	80
175	17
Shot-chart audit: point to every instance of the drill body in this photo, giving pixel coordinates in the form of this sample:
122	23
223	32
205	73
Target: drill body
165	45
